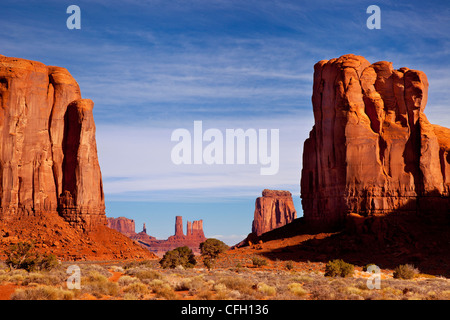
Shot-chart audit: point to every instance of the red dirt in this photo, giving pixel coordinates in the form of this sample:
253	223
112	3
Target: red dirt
405	239
115	276
7	290
52	234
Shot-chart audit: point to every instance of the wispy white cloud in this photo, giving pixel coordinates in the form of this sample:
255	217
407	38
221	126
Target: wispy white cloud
144	166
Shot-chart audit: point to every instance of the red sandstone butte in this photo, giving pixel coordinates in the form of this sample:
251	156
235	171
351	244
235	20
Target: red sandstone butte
123	225
273	210
48	156
194	232
372	150
193	237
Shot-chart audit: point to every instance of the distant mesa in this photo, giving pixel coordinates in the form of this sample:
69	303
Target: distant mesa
123	225
193	237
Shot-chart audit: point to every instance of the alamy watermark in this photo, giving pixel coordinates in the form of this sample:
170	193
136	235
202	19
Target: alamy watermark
374	281
235	146
374	20
74	20
74	280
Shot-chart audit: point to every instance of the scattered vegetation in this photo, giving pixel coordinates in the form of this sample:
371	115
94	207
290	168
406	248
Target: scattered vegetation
23	255
297	289
338	268
259	262
181	256
289	265
210	250
405	271
98	285
43	293
150	280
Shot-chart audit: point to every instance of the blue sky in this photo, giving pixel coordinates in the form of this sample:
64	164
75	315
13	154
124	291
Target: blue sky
154	66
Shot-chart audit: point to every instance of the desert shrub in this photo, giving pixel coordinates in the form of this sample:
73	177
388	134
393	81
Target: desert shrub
193	284
162	289
144	274
181	256
266	289
259	262
42	293
289	265
137	289
23	255
210	250
236	283
127	280
304	277
405	271
98	285
219	287
117	269
338	268
44	278
95	269
48	262
142	263
297	289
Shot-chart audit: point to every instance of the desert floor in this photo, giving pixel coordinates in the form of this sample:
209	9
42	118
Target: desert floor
234	277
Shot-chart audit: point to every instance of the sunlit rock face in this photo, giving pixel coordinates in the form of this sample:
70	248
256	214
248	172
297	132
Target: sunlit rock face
372	150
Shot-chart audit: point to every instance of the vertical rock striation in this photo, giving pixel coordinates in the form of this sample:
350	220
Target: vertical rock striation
48	155
372	150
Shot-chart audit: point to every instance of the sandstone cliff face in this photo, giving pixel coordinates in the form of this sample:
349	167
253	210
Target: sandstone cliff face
48	155
273	210
372	150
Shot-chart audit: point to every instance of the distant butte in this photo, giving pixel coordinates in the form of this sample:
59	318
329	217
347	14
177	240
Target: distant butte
193	237
273	210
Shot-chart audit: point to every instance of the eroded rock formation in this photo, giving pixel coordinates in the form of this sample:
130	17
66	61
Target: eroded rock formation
194	231
123	225
193	237
274	209
372	150
48	155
